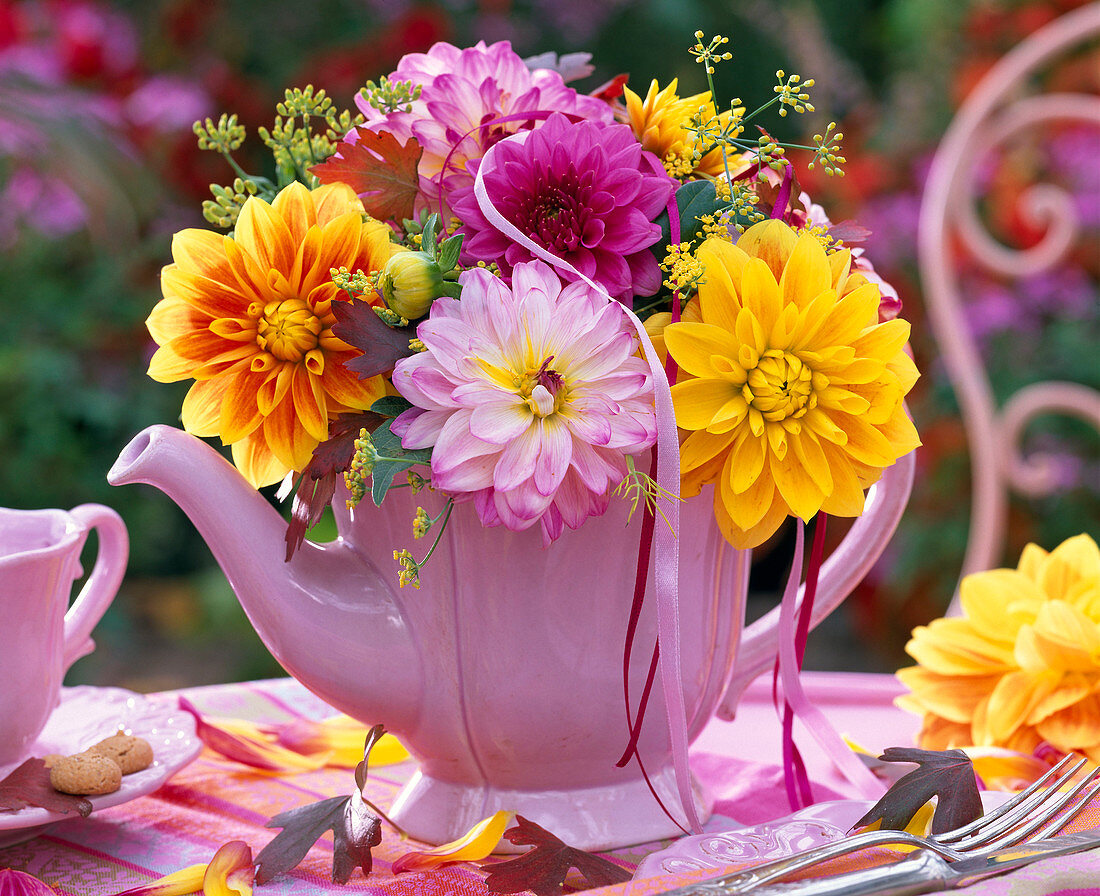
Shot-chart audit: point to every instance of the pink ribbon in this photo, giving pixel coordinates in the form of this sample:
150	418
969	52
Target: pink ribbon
666	567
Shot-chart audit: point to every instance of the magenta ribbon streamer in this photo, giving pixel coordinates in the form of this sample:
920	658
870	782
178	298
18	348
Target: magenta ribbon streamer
789	657
666	571
783	197
793	632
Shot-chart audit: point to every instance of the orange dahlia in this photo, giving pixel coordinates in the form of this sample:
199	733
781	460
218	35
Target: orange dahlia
249	318
662	123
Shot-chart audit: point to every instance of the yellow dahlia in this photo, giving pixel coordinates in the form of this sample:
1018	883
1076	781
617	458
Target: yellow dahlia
791	392
1022	664
660	123
249	318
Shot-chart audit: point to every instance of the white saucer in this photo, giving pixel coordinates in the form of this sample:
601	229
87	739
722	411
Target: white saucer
813	826
87	715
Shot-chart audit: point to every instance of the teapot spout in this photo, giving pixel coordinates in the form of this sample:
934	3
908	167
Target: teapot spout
303	610
216	498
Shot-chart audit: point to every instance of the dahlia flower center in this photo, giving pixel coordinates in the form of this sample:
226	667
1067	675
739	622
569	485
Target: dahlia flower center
552	217
288	329
543	389
780	386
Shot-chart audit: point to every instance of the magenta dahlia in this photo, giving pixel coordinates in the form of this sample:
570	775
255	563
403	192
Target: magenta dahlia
465	97
584	190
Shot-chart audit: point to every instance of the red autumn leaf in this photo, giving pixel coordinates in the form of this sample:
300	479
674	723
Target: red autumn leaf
381	345
611	90
381	170
947	774
543	869
316	484
29	785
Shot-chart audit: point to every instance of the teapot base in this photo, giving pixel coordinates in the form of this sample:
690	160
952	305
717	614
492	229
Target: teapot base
594	818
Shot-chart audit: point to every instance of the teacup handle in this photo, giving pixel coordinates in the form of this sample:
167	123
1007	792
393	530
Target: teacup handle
840	574
102	585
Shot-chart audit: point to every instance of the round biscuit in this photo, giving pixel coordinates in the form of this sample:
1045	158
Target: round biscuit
87	774
132	754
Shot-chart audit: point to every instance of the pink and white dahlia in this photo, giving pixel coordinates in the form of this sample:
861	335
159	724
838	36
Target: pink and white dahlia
530	397
465	95
586	191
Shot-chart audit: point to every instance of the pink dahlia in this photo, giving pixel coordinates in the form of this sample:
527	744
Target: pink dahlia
586	191
463	90
530	397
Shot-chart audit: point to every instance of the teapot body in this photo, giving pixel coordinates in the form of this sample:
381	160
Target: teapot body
520	700
504	672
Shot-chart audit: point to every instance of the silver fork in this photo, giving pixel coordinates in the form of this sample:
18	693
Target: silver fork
1033	811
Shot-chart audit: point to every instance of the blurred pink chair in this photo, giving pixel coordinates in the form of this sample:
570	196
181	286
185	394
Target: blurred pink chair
1003	104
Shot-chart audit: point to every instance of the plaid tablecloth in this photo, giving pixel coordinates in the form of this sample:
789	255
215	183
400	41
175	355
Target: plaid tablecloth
215	800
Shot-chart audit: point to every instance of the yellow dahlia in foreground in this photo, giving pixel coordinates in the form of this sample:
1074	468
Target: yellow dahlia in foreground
1022	664
249	318
791	392
660	124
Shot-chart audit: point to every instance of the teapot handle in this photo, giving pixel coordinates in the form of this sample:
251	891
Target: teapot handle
840	574
102	585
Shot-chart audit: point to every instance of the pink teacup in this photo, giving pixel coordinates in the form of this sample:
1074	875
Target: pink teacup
40	635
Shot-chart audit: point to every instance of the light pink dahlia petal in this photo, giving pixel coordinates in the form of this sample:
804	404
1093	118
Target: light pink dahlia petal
593	467
433	386
500	422
536	277
593	428
456	444
632	432
552	525
517	460
409	376
599	351
521	507
620	385
574	501
555	452
471	476
420	431
486	507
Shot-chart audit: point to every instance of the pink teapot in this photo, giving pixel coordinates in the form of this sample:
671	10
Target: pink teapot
503	674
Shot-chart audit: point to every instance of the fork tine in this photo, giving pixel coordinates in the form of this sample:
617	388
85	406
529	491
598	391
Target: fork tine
997	823
1048	813
1058	824
1020	805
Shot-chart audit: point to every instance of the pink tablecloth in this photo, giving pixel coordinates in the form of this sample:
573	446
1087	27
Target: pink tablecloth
215	800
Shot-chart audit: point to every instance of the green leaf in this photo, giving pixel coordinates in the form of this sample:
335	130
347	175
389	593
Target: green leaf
693	199
395	460
391	406
427	239
946	774
448	253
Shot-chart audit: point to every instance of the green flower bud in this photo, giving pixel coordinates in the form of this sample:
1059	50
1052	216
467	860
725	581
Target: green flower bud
410	282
